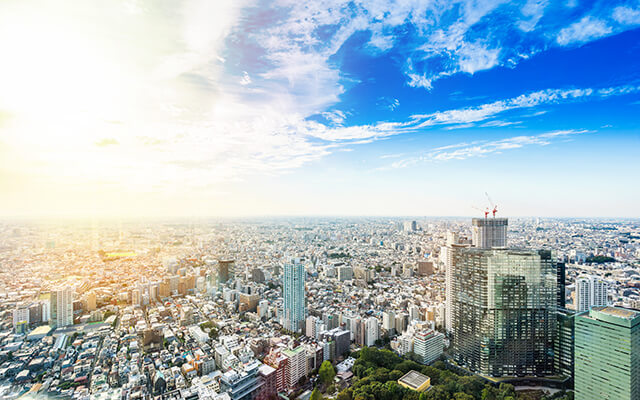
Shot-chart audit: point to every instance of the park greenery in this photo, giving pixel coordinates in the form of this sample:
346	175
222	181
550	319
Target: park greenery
376	373
600	259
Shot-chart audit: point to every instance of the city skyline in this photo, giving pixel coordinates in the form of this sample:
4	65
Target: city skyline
218	309
320	200
134	109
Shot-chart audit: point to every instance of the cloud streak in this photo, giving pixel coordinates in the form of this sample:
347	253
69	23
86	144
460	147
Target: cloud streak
587	29
469	116
463	151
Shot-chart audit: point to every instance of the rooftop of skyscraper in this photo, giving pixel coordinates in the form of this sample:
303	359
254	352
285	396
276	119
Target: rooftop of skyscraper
618	312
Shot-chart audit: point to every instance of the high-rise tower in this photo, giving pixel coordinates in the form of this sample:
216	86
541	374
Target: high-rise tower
503	311
225	270
294	307
591	291
62	307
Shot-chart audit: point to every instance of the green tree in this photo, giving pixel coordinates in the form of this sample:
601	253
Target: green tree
326	372
411	395
344	395
381	375
433	373
316	395
213	333
407	365
395	375
435	393
471	385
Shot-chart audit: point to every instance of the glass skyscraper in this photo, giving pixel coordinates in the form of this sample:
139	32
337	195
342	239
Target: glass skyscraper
607	354
504	311
564	343
294	305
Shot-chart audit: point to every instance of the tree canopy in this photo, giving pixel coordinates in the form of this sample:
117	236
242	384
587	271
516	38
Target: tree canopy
377	372
327	373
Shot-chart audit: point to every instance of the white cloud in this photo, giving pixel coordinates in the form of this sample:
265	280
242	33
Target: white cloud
484	149
466	117
534	10
416	80
496	123
335	116
475	57
488	110
626	15
382	42
587	29
246	79
462	151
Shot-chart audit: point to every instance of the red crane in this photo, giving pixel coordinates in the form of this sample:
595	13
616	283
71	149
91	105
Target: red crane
493	205
485	211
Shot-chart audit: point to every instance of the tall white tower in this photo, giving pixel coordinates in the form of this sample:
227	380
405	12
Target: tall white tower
372	333
591	291
62	307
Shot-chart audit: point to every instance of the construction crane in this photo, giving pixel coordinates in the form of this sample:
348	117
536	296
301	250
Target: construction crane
485	211
492	204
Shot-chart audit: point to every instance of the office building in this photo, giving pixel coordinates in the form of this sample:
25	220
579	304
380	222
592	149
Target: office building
62	307
564	342
410	226
340	337
487	233
414	313
372	332
242	383
248	302
225	270
294	305
607	354
389	321
345	273
35	314
591	291
425	268
310	326
428	345
504	311
296	368
562	282
136	297
91	301
20	319
268	383
447	258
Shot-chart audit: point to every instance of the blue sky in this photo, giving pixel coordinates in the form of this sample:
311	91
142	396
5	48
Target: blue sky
335	107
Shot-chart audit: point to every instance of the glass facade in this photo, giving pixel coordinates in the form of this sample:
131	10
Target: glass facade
607	354
563	347
294	305
504	311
